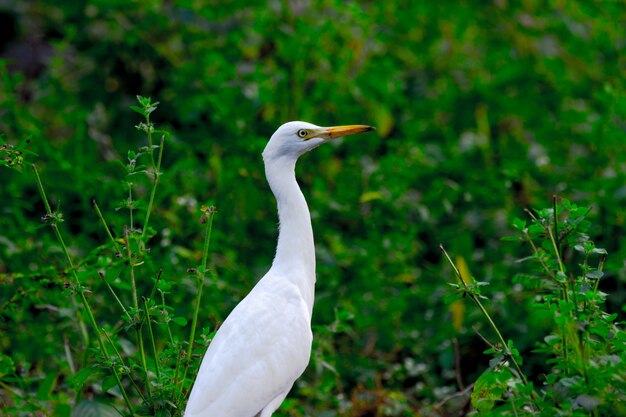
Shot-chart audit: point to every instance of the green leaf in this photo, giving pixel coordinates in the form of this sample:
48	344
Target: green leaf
584	225
181	321
600	330
78	380
487	390
594	274
138	110
108	383
46	386
89	408
144	101
519	224
113	273
7	366
566	204
534	230
552	340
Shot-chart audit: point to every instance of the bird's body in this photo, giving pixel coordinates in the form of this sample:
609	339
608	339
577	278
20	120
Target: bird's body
272	328
264	345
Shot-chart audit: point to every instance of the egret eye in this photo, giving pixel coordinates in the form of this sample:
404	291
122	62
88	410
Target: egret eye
302	133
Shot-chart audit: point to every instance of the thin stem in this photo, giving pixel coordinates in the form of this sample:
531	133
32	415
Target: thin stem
179	356
144	363
151	297
106	227
130	204
551	274
530	213
554	237
456	271
169	332
41	190
132	268
557	243
536	252
68	258
556	250
473	296
209	213
83	328
118	380
149	131
505	347
142	353
156	284
116	298
167	323
152	342
157	174
563	284
119	355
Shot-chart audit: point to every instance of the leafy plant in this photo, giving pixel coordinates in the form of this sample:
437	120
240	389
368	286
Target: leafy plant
150	373
586	350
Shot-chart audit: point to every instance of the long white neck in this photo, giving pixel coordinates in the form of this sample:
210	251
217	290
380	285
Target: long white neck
295	252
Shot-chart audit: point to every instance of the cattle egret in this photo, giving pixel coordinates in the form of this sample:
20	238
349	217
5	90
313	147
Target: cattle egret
264	345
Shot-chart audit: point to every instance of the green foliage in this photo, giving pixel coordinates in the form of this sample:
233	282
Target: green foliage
490	387
151	380
483	109
585	349
12	156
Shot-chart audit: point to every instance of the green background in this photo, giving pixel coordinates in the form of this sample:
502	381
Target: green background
483	109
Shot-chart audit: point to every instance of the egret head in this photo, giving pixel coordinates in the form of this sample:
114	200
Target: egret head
294	139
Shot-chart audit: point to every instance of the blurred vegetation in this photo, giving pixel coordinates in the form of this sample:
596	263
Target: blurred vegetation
483	109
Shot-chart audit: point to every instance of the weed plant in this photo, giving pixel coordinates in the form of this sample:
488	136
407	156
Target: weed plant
134	364
585	353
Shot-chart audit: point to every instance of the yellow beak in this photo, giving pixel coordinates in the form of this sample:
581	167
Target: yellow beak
339	131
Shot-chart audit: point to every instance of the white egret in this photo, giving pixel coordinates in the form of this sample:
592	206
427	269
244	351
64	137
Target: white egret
264	345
